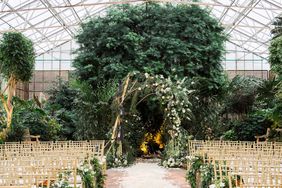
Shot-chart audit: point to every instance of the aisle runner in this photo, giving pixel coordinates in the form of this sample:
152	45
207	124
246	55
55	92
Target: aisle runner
146	175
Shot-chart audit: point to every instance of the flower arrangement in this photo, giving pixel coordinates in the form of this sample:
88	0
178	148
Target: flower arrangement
200	174
174	162
217	184
87	175
115	158
62	180
90	174
174	96
117	161
175	153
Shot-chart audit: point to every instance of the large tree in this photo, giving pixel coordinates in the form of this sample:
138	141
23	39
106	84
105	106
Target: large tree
17	60
275	57
277	30
150	38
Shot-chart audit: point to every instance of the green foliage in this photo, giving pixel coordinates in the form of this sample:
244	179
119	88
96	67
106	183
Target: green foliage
267	92
62	181
170	40
28	115
90	173
200	174
134	131
17	56
275	57
99	175
93	110
230	135
247	129
274	112
242	94
176	150
207	104
61	106
150	38
277	31
117	158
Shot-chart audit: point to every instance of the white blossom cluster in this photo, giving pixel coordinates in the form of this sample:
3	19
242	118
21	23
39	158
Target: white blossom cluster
174	96
217	185
120	161
64	179
191	158
86	169
173	162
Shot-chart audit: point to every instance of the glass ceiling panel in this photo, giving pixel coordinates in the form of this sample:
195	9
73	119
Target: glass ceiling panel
50	23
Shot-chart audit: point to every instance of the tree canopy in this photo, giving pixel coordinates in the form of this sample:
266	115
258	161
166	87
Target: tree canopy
275	57
17	60
151	38
17	56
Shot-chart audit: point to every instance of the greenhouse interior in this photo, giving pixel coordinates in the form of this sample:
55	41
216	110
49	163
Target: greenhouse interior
141	94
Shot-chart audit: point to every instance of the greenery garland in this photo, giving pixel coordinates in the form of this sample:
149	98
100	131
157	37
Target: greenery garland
198	167
91	175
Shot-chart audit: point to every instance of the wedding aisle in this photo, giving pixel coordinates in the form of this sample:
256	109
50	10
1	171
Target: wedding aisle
146	175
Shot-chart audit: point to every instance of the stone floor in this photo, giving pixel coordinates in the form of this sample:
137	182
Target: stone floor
146	175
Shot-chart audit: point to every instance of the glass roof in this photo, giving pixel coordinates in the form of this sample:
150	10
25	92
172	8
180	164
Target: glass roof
52	23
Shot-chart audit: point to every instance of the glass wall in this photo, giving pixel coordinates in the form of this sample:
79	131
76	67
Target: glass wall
57	63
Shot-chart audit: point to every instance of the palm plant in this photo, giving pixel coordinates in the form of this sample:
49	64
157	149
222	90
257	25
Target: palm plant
241	96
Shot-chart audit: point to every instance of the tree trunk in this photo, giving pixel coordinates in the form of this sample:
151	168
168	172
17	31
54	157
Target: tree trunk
7	103
11	92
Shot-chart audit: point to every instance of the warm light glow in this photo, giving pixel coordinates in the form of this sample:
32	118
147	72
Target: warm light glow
149	137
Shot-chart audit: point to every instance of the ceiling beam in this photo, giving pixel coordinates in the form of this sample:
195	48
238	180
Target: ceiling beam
56	15
134	1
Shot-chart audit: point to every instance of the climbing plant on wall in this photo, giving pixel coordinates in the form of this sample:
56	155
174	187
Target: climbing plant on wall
17	60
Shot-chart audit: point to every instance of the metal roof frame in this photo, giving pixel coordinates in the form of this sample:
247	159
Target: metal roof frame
51	23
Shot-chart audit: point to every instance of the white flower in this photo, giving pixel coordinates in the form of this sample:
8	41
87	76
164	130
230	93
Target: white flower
222	184
147	75
85	170
212	186
190	91
125	162
170	160
139	88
